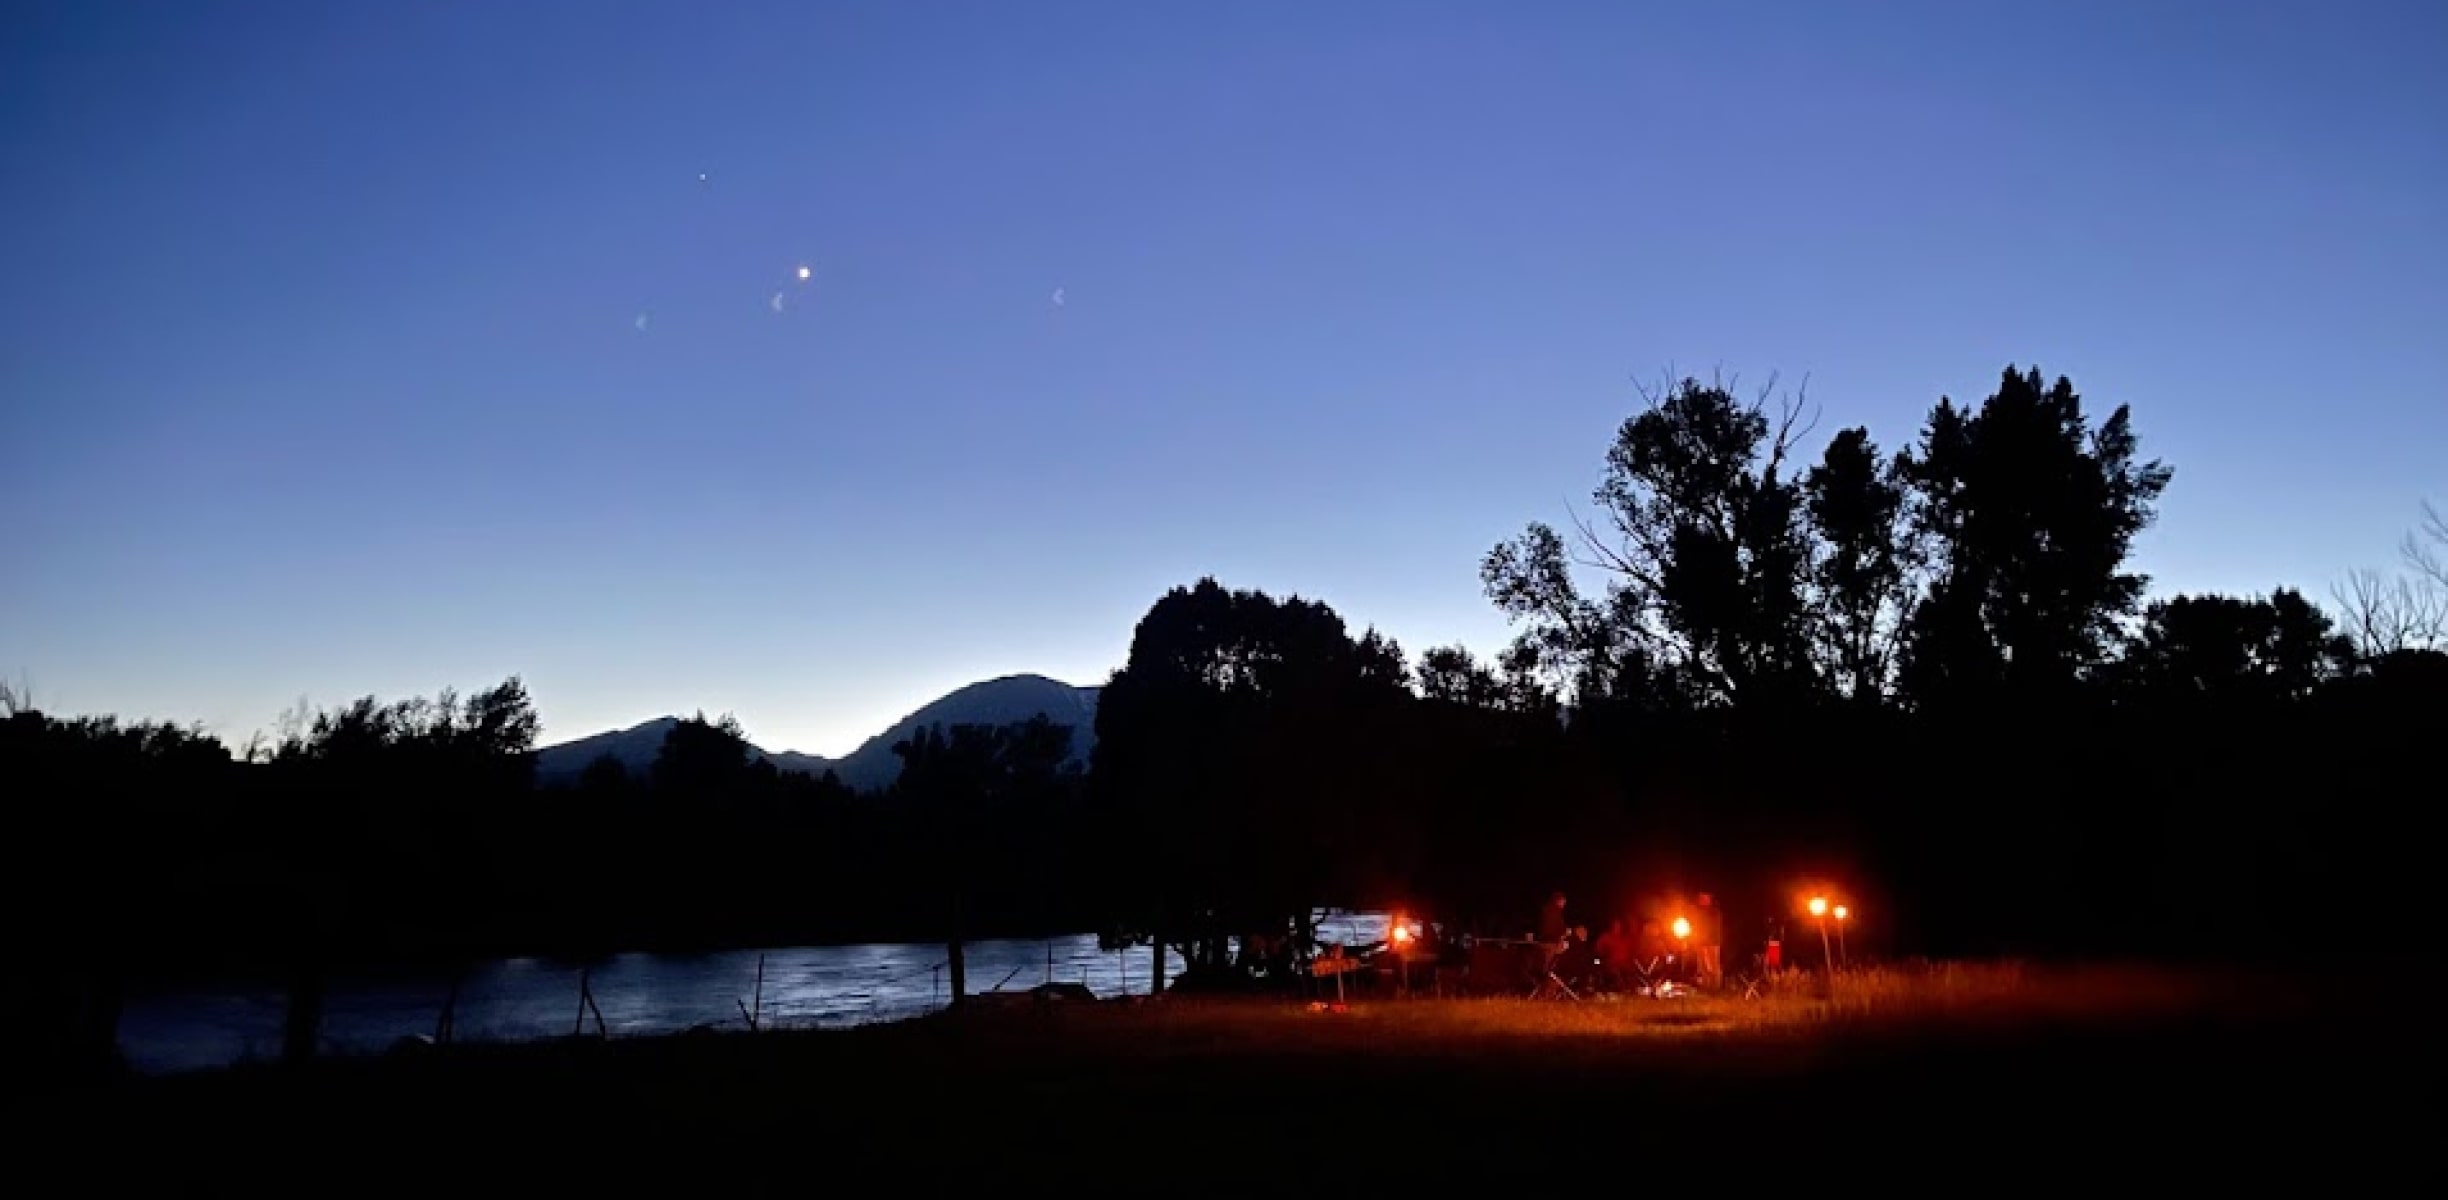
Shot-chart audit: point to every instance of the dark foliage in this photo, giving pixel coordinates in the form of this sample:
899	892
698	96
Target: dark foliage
1929	677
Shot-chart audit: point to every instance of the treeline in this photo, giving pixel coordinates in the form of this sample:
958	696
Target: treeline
1929	674
414	832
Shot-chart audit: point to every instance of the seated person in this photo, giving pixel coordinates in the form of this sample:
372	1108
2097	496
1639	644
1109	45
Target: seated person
1614	952
1579	963
1652	946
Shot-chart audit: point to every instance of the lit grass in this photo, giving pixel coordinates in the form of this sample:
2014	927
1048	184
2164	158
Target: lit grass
1796	1005
1961	1056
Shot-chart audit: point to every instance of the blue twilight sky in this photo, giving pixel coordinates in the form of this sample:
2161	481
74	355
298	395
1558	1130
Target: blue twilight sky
357	346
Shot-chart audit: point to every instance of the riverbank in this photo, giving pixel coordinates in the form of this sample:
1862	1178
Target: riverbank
2020	1071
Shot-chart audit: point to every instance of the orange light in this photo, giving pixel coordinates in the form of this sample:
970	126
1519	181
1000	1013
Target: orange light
1818	906
1842	912
1682	929
1402	932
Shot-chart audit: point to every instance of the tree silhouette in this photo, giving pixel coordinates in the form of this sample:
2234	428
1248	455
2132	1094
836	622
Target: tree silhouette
376	808
2273	650
966	784
2032	514
702	757
1453	675
1859	509
1931	668
1234	751
1702	547
2384	615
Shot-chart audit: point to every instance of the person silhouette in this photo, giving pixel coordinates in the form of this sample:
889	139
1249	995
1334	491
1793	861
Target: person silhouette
1708	938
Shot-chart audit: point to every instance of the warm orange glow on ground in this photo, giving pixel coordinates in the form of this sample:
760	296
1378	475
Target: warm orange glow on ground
1853	1001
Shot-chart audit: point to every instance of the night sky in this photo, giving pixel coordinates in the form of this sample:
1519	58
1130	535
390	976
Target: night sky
355	347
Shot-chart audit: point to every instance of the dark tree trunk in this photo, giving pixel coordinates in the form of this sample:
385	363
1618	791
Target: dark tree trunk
953	956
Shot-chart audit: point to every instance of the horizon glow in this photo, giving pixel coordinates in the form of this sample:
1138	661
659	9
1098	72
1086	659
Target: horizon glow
387	413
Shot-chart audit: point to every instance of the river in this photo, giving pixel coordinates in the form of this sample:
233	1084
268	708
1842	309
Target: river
526	998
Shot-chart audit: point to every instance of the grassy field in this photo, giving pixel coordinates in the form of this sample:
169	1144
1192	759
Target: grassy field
1896	1076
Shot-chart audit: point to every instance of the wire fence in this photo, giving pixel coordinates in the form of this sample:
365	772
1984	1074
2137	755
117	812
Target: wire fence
633	995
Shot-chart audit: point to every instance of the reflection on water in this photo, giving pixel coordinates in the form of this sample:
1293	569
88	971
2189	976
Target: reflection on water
520	998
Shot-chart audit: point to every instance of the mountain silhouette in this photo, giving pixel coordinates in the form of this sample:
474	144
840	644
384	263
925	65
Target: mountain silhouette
872	765
634	748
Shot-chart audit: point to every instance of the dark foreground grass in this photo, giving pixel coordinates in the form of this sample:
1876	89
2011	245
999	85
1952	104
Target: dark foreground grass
1958	1080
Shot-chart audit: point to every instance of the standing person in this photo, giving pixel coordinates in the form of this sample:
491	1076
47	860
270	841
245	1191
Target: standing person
1554	932
1708	936
1553	929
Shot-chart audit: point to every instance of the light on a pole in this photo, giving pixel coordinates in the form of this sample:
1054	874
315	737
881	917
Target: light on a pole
1843	913
1682	929
1818	906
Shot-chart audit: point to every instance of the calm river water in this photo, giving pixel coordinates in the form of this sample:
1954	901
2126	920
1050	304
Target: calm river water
522	998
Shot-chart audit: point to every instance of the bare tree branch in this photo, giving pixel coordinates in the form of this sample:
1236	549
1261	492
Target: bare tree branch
1607	558
1789	428
2426	550
2382	616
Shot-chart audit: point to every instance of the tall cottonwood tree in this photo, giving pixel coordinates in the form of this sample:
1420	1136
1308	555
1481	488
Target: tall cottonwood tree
1240	758
1704	555
2031	513
1866	573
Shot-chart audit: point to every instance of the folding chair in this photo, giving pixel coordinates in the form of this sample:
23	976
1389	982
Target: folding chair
1551	986
1753	977
1647	972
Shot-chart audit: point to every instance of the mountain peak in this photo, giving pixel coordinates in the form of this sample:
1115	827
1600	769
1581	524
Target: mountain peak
873	766
1001	701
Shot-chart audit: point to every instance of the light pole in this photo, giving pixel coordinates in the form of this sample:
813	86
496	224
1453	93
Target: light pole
1818	910
1844	913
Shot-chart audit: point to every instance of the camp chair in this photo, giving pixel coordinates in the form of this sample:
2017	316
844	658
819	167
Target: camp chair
1644	971
1753	976
1551	986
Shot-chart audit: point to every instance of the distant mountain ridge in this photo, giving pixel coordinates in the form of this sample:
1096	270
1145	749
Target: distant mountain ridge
871	767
